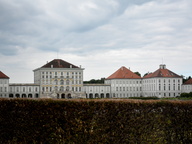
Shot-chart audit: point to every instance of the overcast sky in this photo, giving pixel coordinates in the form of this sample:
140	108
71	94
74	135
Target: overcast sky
100	35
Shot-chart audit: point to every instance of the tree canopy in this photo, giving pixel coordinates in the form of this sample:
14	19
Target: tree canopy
94	81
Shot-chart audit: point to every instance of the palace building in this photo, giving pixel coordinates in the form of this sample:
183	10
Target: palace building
63	80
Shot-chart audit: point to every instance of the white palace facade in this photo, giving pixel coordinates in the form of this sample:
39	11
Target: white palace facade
63	80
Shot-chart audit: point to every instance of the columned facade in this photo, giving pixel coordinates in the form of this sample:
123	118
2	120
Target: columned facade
59	79
24	91
97	90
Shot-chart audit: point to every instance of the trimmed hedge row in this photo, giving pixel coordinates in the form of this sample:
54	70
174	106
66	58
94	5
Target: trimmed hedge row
186	95
95	121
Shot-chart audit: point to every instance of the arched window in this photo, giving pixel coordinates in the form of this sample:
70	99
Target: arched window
67	88
61	82
67	82
56	88
61	88
56	82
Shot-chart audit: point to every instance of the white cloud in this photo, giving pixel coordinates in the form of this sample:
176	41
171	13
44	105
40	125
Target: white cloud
99	35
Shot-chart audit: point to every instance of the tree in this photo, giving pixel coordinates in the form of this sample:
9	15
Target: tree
137	73
93	81
146	74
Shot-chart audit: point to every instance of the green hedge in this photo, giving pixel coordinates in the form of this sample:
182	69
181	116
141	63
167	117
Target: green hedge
186	95
95	121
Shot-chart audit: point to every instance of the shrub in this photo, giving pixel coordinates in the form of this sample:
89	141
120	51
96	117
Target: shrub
95	121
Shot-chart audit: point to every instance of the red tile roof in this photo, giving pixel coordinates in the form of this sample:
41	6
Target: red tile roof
188	82
123	73
58	63
162	72
3	76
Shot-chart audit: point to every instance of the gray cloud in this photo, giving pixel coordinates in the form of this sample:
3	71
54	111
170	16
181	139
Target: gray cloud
46	24
122	31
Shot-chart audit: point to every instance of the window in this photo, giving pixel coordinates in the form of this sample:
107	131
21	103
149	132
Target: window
56	88
56	82
67	82
61	82
61	88
174	87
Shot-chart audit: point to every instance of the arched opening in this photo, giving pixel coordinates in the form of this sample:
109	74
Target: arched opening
30	95
17	95
102	95
86	96
69	96
96	95
58	96
107	95
36	95
90	95
24	95
63	96
11	95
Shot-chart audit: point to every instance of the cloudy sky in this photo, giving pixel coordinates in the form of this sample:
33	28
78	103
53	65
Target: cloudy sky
100	35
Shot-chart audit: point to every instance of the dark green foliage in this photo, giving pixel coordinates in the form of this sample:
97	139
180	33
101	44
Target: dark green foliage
95	121
145	98
137	73
93	81
186	79
186	95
